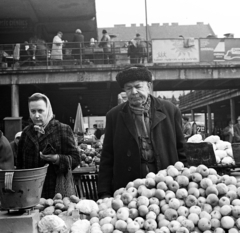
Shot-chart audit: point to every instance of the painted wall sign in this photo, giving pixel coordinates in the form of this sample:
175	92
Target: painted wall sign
174	51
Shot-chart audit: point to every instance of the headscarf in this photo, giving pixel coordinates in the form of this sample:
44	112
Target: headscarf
38	128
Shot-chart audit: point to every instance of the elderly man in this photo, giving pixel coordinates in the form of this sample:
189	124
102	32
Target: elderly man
142	135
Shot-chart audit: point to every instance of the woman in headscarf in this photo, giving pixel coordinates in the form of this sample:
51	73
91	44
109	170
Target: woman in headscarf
45	130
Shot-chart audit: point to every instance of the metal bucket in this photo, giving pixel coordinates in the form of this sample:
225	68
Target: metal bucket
21	189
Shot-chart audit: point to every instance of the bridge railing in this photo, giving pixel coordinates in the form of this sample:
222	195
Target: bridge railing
71	54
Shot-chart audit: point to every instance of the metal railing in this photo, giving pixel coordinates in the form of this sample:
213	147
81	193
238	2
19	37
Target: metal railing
70	54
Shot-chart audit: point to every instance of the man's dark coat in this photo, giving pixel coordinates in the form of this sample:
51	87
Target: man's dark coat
121	160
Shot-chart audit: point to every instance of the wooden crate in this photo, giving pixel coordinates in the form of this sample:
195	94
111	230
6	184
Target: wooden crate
200	153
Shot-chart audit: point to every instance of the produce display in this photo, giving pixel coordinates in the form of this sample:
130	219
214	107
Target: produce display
222	149
90	155
175	200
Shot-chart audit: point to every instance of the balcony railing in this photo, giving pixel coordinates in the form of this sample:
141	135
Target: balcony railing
69	54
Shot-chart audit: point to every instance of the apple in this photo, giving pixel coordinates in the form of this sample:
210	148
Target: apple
173	185
132	204
144	191
179	165
154	200
140	221
194	191
212	171
174	203
138	182
121	225
159	178
233	230
133	213
203	170
182	230
107	228
172	171
219	230
170	214
204	224
109	212
163	222
226	210
213	178
205	214
206	182
126	197
150	225
133	191
212	189
94	220
215	223
164	230
119	191
150	182
195	209
202	192
188	224
207	207
181	218
162	186
164	208
155	208
169	195
132	227
183	211
227	222
162	202
151	215
193	217
236	202
168	179
192	185
142	210
216	214
129	184
163	172
191	201
232	187
222	189
186	172
123	213
232	195
196	177
212	199
183	181
201	201
142	200
160	194
181	193
151	175
192	169
174	225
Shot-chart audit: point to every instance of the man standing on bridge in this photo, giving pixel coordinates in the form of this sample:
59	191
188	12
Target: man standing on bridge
142	135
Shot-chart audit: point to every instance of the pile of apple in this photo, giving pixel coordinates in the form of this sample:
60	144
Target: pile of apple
175	200
90	156
222	149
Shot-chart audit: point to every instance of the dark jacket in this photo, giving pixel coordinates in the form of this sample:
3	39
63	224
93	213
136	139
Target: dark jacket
60	136
121	160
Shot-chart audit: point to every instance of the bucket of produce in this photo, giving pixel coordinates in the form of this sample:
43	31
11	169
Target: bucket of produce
21	189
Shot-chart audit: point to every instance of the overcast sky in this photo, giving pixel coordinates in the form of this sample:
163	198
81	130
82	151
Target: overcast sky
222	15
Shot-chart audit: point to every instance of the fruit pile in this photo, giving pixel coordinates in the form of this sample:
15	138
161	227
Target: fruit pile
222	149
90	155
175	200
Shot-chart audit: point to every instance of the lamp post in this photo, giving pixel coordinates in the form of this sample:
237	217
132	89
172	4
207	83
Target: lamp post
146	27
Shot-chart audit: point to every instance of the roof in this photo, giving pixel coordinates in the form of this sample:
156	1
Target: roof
157	31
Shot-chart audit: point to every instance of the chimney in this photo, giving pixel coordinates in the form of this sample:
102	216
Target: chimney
133	25
165	24
141	25
199	23
155	24
120	25
174	24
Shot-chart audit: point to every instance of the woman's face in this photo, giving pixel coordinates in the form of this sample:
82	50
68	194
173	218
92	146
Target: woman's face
38	112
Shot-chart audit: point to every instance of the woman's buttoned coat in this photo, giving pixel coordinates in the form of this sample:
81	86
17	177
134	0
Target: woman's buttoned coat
121	160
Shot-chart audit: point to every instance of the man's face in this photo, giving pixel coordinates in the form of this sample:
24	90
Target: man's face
137	92
38	112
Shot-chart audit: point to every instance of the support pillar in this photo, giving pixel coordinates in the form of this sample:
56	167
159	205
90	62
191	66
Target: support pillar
192	114
15	100
209	120
232	110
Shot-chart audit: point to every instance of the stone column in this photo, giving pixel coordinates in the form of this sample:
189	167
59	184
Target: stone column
232	110
209	120
15	100
193	116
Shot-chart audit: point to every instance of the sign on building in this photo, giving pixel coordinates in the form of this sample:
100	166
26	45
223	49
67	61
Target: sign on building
175	51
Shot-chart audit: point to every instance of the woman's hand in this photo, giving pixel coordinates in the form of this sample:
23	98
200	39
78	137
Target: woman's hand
50	158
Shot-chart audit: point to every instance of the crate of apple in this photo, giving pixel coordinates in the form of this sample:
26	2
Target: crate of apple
90	157
177	199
